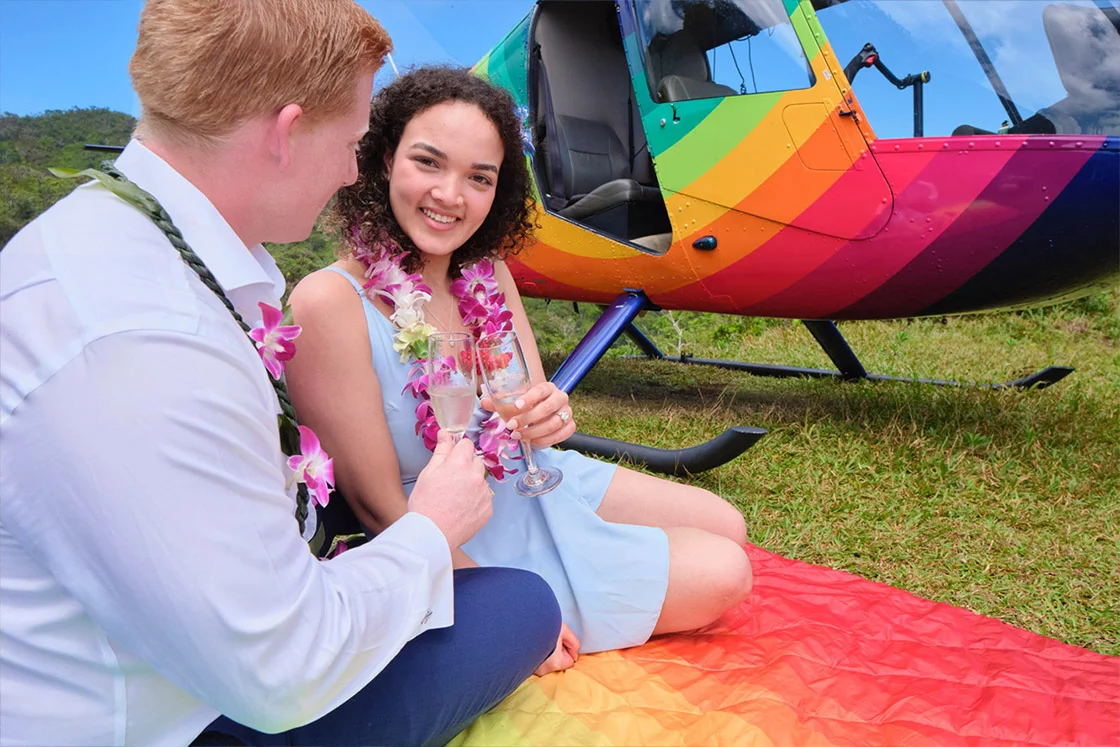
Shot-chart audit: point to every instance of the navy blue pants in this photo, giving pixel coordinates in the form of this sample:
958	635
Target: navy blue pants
506	624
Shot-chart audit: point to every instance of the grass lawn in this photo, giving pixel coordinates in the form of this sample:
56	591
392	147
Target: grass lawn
1003	502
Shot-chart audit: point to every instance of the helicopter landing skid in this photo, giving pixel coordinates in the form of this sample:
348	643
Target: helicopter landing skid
617	318
680	462
848	366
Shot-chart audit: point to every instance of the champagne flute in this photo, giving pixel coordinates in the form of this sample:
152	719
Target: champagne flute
452	381
507	378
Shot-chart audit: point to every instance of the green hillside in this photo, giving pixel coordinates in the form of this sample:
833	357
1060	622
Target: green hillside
55	138
30	144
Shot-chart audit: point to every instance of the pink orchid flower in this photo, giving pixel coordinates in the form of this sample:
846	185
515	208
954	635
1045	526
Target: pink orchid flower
472	312
274	341
359	248
477	281
426	425
418	381
496	441
313	467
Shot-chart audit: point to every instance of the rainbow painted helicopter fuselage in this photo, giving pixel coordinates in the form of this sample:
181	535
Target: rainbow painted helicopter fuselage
662	186
784	203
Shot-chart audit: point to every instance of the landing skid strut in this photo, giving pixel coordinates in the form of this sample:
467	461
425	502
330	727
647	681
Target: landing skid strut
618	318
848	366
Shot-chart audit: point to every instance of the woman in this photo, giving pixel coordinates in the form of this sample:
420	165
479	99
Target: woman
443	184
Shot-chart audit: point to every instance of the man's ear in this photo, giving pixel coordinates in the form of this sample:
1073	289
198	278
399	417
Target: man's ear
281	133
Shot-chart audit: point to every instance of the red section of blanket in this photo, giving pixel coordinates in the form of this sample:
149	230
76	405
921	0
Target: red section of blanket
865	663
817	656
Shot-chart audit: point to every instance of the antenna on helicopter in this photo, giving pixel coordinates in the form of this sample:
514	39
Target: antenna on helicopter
396	73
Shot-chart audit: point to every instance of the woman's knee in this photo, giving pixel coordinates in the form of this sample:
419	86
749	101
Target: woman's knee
708	575
737	577
728	519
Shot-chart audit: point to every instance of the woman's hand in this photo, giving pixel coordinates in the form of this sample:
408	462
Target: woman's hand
544	418
565	654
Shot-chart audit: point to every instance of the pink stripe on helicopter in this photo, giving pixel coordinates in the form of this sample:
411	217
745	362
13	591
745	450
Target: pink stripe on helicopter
1018	195
932	199
777	263
794	254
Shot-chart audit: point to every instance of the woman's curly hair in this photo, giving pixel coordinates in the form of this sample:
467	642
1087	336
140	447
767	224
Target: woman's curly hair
364	205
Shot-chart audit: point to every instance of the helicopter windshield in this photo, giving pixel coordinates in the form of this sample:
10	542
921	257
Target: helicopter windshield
1018	66
698	49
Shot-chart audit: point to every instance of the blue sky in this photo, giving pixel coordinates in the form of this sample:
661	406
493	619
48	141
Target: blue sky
58	54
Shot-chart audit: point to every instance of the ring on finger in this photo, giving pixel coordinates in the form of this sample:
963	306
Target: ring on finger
565	416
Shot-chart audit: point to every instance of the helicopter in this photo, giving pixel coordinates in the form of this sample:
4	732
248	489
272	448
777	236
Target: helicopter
713	156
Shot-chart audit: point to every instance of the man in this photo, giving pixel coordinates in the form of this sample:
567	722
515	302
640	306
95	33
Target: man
152	573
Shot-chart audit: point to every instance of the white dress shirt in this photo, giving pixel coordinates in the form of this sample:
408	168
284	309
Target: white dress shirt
152	574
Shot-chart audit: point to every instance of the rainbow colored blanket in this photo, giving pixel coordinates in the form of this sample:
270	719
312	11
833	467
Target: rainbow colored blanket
820	657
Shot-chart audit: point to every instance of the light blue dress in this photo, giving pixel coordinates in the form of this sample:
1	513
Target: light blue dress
610	579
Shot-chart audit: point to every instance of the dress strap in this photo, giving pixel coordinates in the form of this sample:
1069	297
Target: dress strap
348	276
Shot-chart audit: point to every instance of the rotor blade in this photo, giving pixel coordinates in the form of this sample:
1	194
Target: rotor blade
985	61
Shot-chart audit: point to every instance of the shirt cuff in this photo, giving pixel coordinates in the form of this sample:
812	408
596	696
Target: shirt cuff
418	531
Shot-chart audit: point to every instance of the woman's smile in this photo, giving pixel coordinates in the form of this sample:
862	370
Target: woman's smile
444	174
442	220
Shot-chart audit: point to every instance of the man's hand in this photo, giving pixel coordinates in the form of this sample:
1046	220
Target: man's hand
452	490
565	654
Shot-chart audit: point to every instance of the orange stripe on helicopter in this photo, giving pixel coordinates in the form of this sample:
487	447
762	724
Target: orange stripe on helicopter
742	171
532	283
597	272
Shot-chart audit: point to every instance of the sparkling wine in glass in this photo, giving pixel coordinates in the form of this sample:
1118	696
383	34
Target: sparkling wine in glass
507	378
452	382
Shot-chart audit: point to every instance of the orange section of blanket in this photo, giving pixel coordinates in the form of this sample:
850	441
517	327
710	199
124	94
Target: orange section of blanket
821	657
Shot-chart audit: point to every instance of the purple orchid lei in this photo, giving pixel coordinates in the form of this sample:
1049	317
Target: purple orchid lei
274	344
482	309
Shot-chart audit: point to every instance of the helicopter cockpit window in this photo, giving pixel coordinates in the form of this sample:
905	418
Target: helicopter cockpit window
699	49
998	66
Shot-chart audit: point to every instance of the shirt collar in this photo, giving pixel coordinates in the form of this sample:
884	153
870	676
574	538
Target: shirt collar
206	231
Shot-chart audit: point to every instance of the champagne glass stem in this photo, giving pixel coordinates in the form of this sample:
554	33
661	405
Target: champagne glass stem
533	478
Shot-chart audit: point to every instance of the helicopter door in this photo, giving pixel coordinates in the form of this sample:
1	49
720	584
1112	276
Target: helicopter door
595	169
744	116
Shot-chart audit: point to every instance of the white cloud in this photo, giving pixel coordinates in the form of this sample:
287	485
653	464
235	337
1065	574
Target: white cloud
658	16
1010	31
